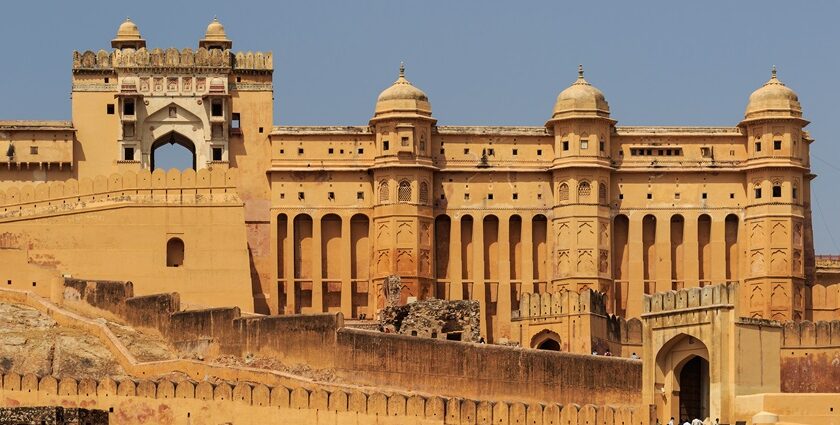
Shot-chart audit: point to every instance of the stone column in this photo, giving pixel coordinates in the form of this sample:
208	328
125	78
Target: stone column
636	285
478	288
346	269
503	301
289	266
317	259
456	288
663	253
527	255
691	268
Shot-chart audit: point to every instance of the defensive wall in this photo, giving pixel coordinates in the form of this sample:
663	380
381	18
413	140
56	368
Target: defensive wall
578	320
810	357
163	231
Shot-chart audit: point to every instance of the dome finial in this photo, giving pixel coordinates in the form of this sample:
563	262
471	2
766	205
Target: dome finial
773	72
580	70
402	69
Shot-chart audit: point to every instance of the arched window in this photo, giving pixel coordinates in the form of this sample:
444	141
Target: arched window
602	194
777	189
175	253
584	191
424	193
383	191
404	194
794	192
564	192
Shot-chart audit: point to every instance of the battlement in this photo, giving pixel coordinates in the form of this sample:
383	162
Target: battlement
158	58
560	303
707	296
804	334
173	186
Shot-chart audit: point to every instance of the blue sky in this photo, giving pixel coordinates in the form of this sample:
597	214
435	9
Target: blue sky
480	62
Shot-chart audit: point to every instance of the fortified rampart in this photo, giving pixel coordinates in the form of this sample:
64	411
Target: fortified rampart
163	231
810	361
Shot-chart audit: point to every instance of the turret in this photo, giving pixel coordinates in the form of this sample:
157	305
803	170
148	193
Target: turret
128	36
215	37
402	120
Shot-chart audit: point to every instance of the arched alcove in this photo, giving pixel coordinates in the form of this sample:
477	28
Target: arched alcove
174	252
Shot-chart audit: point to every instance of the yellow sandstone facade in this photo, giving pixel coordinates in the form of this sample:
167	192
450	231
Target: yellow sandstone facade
577	236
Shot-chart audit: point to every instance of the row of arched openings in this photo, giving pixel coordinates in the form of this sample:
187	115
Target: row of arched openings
584	192
404	192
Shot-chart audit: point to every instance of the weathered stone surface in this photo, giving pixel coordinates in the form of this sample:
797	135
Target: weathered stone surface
435	319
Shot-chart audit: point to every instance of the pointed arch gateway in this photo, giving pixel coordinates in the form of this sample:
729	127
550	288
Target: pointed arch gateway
172	150
682	374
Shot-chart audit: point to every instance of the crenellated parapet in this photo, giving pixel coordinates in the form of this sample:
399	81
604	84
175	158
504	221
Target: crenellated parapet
130	59
561	303
171	187
807	334
707	296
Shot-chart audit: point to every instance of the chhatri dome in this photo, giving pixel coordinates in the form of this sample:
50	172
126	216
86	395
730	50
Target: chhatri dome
773	99
215	37
402	99
128	35
581	98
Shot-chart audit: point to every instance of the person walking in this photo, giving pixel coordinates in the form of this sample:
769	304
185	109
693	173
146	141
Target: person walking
671	422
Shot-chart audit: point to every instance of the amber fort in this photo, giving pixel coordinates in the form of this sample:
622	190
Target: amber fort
403	272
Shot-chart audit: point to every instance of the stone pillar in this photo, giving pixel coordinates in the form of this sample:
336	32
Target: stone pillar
527	255
503	301
456	288
317	259
691	268
289	265
478	288
718	245
663	253
636	285
346	269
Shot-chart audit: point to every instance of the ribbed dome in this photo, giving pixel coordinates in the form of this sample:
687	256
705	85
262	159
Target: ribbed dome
773	99
402	98
128	35
215	31
581	98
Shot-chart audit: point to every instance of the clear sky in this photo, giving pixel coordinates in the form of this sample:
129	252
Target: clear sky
480	62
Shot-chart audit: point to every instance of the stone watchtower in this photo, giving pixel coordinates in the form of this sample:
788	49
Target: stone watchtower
403	174
581	172
778	210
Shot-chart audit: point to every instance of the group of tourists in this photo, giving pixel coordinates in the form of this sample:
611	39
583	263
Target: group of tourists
608	353
695	421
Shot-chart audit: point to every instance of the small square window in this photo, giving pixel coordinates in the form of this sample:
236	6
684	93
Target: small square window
490	196
385	145
107	80
731	153
601	146
705	195
330	151
466	196
516	152
539	152
216	108
758	146
706	152
565	145
33	150
360	150
777	145
731	196
360	195
677	195
235	120
128	107
758	193
620	196
539	196
109	109
584	144
331	196
794	193
515	196
404	141
238	79
260	129
777	191
300	151
442	196
300	196
441	151
282	151
621	152
128	154
650	196
466	151
217	154
282	196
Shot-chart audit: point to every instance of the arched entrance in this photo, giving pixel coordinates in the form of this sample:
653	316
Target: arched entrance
546	340
172	150
683	379
549	344
694	388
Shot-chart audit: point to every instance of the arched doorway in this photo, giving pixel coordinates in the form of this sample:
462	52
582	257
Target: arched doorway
682	379
172	150
549	344
546	340
694	388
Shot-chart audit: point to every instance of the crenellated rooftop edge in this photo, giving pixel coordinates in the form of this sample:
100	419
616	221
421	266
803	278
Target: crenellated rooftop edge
7	125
